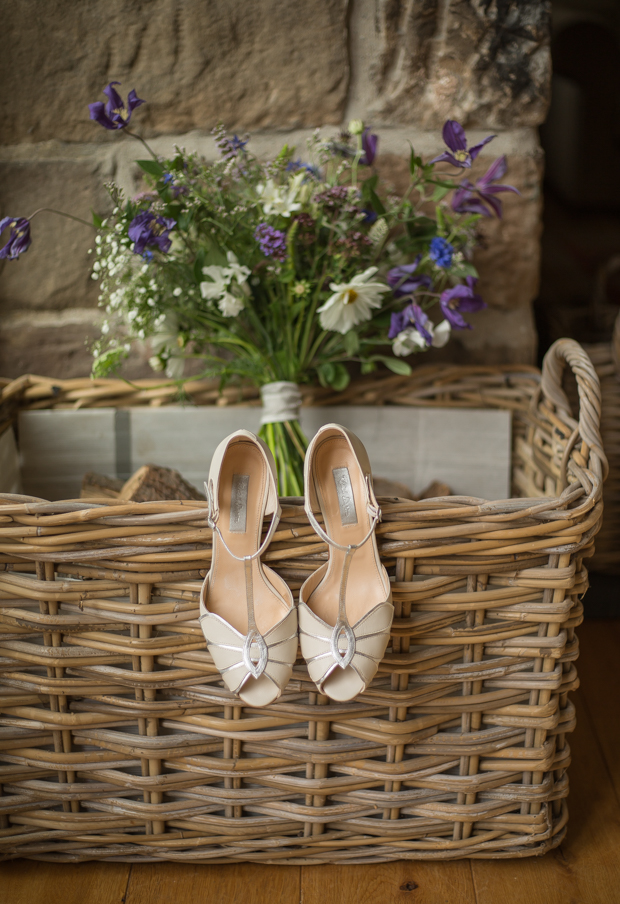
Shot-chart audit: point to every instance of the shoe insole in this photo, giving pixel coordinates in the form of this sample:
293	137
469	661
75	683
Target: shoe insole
242	491
341	489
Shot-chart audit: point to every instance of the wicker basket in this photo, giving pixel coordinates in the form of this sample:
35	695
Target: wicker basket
606	359
119	742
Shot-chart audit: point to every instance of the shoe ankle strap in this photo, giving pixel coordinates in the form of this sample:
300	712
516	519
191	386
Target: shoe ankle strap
213	517
372	509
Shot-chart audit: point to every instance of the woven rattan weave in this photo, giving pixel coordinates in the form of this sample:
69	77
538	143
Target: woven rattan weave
605	357
118	740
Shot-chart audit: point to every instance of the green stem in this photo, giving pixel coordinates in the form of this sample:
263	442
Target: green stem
61	213
139	138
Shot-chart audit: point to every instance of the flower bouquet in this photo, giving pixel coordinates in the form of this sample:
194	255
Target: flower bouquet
285	271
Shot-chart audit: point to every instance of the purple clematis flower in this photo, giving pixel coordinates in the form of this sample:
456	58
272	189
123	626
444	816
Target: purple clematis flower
412	315
403	282
114	114
469	198
19	237
460	298
369	144
459	154
149	229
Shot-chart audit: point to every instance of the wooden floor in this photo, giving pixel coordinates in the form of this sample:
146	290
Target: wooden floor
585	870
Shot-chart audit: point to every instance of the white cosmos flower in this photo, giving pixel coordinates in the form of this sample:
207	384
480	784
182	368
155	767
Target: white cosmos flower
281	199
352	302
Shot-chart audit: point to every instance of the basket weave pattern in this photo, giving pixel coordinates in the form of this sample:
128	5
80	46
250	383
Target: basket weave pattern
119	741
605	357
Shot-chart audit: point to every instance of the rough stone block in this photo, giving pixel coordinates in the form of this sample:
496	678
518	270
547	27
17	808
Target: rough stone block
54	273
252	65
56	344
425	61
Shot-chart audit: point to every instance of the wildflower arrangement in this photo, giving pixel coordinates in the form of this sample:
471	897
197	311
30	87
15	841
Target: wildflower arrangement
286	271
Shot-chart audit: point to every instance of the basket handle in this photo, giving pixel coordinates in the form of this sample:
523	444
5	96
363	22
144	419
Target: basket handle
561	353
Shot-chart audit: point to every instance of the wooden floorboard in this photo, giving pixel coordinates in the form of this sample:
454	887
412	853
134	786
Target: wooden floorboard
34	882
186	883
599	670
585	870
401	882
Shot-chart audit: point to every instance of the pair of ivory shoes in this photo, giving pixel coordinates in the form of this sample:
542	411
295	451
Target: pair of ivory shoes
247	612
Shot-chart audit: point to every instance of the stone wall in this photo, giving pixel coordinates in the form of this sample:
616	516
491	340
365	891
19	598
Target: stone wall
276	68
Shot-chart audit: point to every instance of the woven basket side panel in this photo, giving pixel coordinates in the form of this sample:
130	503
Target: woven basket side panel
606	557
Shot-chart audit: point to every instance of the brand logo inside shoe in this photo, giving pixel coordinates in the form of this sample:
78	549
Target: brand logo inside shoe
343	643
239	503
255	653
344	490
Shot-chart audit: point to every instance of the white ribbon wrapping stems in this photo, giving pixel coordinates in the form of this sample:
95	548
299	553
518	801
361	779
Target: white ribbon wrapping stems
281	402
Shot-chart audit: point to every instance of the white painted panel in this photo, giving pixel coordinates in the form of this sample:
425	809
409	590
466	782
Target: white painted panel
467	449
10	479
185	438
58	447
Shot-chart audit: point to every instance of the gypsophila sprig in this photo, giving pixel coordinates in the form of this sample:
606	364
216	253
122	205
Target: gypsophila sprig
288	269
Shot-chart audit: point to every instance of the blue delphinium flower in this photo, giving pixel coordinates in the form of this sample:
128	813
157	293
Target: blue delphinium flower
293	166
19	237
114	114
402	280
459	154
168	178
470	198
460	298
152	230
441	252
272	242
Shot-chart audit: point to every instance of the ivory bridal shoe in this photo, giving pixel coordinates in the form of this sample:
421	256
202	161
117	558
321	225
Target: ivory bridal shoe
345	608
247	613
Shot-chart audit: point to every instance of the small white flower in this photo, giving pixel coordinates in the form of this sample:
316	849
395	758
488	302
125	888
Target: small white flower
407	342
175	367
281	199
230	305
178	291
441	334
218	282
410	340
219	289
237	272
156	363
166	342
352	302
